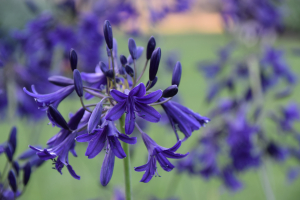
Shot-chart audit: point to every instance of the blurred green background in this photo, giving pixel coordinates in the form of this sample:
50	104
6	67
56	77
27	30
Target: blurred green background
47	183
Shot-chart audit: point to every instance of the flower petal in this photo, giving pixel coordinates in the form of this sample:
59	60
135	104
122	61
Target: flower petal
96	145
129	122
126	139
118	96
150	98
85	137
107	167
141	168
147	112
116	112
170	154
116	147
72	172
138	91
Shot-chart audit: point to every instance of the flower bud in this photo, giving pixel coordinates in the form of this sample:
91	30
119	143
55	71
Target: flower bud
8	152
95	118
150	47
176	74
27	173
103	67
154	63
57	118
73	59
78	83
129	70
152	83
60	80
139	52
109	73
132	48
108	35
170	91
16	167
12	180
13	139
123	60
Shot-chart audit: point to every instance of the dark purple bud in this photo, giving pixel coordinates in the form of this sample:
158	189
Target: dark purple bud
132	48
8	152
107	167
27	173
123	60
129	70
170	91
78	83
60	80
13	139
154	63
73	59
103	67
122	70
12	180
108	35
109	73
152	83
95	118
57	118
16	167
150	47
176	74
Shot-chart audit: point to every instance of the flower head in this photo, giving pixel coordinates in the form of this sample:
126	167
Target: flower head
160	154
135	102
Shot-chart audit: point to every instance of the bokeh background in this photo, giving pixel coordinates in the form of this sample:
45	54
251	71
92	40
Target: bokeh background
191	36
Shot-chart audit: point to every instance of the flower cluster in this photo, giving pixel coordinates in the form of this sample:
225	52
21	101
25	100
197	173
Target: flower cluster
17	171
255	86
123	98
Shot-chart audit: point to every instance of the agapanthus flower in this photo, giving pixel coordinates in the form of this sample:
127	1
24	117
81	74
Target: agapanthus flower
160	154
186	120
135	102
108	133
61	144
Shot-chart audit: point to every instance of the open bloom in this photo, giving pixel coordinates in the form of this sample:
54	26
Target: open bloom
134	102
160	154
61	144
187	120
108	133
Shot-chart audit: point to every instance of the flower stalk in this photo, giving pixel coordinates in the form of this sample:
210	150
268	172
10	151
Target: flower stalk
126	162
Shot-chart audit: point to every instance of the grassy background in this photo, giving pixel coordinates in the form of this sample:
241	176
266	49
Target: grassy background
47	183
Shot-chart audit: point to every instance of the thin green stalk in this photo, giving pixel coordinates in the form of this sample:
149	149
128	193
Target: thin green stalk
126	162
258	98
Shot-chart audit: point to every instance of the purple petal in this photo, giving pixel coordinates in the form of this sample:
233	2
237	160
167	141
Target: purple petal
107	167
170	154
126	139
95	118
72	172
116	112
116	147
147	112
150	98
175	147
85	138
96	145
141	168
118	96
164	162
138	91
129	122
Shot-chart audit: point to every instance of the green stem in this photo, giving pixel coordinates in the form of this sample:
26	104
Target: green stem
126	162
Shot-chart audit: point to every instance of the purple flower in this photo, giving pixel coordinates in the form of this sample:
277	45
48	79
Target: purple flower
134	102
160	154
61	144
109	133
186	120
107	167
230	180
276	151
45	100
95	80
